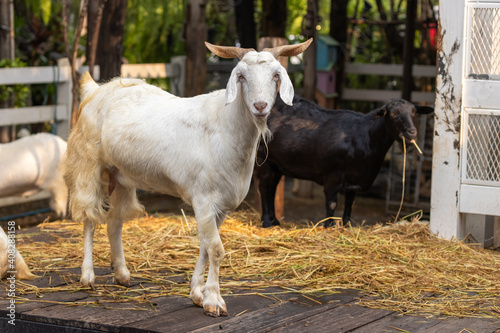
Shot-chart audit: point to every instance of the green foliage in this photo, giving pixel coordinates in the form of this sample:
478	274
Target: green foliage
153	30
19	91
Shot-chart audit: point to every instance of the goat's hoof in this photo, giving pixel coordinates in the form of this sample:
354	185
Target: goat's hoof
122	277
197	298
88	280
215	310
276	222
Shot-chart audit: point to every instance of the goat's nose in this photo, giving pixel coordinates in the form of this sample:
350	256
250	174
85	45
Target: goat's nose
412	131
260	106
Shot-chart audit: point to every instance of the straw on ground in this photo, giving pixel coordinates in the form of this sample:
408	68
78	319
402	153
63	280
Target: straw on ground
399	267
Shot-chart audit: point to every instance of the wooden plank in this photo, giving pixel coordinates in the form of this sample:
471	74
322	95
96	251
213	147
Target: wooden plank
34	75
32	114
270	318
389	69
396	323
149	71
176	322
445	215
385	95
106	316
479	199
464	325
9	201
343	318
22	326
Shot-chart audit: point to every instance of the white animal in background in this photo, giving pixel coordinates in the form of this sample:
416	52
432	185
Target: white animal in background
9	255
31	164
201	149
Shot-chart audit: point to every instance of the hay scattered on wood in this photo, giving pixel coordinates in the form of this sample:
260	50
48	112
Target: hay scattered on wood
400	267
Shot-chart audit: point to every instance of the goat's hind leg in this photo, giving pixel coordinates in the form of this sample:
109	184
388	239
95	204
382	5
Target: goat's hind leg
88	277
124	205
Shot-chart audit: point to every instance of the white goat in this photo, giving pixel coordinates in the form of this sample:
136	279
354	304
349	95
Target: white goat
31	164
201	149
9	254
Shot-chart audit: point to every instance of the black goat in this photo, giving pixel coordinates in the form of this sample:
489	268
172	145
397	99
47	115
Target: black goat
339	149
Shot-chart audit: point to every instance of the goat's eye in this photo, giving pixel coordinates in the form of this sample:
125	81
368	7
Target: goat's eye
241	78
276	77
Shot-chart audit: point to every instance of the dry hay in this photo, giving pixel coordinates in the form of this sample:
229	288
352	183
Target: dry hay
399	267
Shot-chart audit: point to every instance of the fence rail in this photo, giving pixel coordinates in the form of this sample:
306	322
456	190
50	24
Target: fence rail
382	95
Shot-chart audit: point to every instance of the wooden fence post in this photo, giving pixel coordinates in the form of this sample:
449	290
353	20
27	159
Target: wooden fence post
178	83
64	95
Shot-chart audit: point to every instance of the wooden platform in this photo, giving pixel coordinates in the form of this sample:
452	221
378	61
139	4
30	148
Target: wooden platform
250	311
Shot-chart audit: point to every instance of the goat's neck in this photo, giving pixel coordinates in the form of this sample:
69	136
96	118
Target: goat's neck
244	131
381	137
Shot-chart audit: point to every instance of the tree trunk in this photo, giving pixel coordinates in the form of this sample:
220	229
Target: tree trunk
6	51
245	23
310	53
273	18
391	32
409	49
305	189
110	49
338	31
196	52
94	18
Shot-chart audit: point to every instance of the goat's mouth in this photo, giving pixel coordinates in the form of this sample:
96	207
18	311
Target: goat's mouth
261	115
409	135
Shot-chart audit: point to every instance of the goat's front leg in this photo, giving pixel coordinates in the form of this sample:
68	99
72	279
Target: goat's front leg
213	304
198	278
88	278
211	249
122	275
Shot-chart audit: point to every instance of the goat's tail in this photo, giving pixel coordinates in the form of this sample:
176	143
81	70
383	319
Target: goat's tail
87	85
88	88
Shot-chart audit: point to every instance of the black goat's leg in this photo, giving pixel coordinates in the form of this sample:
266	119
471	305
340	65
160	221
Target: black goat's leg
268	181
349	201
331	204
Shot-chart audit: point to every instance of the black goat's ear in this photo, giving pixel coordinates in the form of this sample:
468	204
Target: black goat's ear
424	109
382	111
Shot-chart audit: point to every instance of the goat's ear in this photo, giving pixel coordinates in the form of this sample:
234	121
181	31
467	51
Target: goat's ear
232	87
424	109
286	87
382	111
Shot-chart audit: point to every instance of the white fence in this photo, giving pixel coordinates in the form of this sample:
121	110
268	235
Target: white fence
383	95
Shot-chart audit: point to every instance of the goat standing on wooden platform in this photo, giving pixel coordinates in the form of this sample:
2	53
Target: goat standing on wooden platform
339	149
201	149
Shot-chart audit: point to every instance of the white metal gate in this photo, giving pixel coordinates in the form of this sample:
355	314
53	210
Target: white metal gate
468	111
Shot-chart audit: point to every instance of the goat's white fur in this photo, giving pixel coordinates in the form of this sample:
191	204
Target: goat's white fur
31	164
201	149
20	267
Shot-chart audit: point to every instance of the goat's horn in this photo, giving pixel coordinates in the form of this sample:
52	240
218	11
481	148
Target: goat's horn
289	50
227	51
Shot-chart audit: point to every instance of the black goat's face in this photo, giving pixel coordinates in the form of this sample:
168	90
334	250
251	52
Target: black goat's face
400	114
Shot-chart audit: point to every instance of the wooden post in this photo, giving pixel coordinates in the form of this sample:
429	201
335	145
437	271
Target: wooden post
409	49
196	52
279	199
305	188
446	220
6	52
64	95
